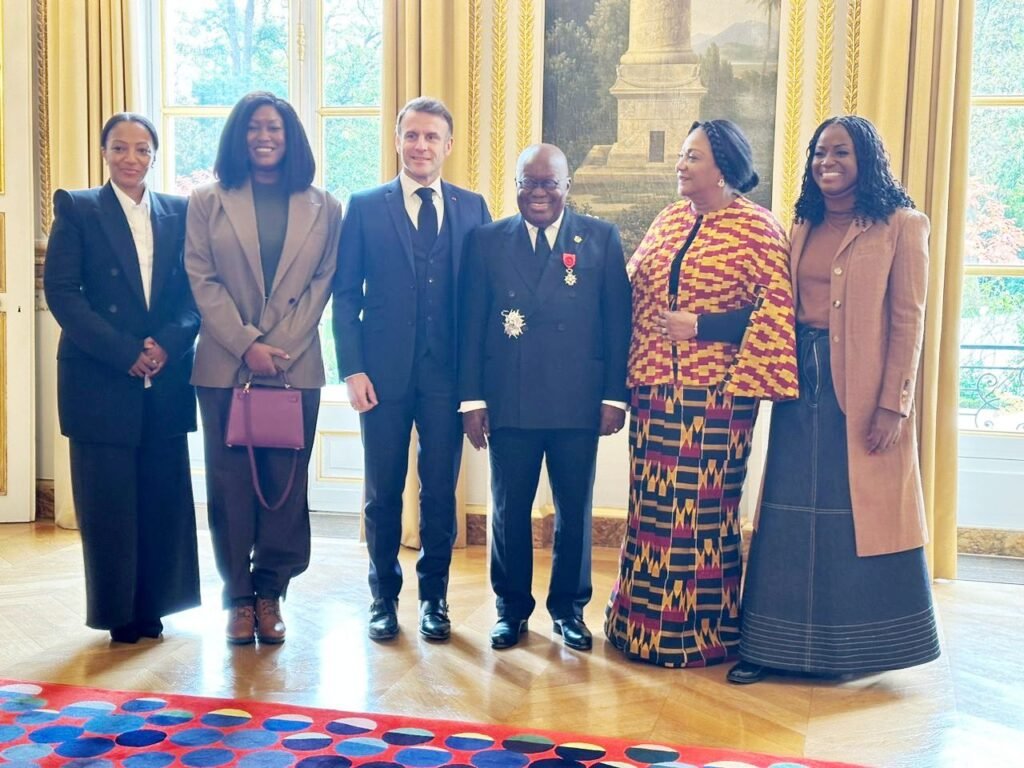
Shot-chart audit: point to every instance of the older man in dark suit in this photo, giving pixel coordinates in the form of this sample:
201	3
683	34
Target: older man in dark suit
545	325
394	326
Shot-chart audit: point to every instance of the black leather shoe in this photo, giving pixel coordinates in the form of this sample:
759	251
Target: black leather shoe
575	633
506	632
129	633
434	623
383	619
150	627
745	672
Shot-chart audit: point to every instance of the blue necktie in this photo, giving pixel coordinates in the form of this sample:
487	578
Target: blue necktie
542	252
426	221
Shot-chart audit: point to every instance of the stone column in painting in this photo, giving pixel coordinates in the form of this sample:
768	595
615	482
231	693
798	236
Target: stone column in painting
658	91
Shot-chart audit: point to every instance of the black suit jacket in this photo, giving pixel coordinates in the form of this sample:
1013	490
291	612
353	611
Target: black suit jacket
94	289
375	285
572	353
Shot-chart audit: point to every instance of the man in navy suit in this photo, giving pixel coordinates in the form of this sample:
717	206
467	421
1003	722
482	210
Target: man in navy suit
395	331
545	325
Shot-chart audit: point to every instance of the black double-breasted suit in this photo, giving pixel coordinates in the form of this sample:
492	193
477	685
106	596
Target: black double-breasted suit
395	320
543	353
129	458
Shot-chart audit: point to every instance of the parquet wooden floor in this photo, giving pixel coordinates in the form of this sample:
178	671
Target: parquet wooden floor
966	709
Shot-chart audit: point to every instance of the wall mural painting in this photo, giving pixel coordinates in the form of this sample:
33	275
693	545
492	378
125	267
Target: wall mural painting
625	79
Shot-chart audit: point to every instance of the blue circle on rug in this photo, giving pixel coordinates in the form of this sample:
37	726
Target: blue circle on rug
207	758
555	762
267	759
144	704
90	746
148	760
691	765
170	718
380	764
469	742
422	757
307	742
54	734
287	722
612	764
324	761
20	689
580	751
26	752
88	709
250	739
226	718
196	737
651	753
499	758
361	746
37	716
527	743
114	724
351	726
10	733
144	737
23	704
407	737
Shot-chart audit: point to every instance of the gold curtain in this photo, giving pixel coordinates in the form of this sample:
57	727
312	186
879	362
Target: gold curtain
914	84
89	77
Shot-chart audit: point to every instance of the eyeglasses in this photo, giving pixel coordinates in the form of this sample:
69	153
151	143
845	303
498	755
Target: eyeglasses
548	185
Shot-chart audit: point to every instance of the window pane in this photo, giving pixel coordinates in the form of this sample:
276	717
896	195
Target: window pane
218	50
352	55
992	354
351	154
995	197
998	48
191	146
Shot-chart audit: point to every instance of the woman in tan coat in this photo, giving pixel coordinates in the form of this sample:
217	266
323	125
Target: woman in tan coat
837	582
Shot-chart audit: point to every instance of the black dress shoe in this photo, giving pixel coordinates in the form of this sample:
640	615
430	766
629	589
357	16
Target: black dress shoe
434	623
383	619
575	633
506	632
745	672
129	633
150	627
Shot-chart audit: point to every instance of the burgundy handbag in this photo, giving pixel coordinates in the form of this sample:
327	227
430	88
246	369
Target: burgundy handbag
266	417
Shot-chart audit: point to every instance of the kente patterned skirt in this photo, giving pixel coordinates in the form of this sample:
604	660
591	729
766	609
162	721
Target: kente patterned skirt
809	603
675	602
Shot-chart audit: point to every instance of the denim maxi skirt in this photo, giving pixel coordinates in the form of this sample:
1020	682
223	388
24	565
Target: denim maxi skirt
810	604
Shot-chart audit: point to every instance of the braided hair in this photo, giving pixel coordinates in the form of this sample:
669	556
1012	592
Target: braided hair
732	153
878	192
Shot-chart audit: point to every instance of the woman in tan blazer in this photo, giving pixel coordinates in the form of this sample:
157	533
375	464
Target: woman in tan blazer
260	251
837	582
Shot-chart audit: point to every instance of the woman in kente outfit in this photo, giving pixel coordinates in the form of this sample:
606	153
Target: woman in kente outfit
712	334
837	582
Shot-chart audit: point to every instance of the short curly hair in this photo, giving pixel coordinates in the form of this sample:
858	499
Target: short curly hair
878	192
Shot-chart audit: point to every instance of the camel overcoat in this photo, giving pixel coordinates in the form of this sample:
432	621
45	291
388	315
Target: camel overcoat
876	326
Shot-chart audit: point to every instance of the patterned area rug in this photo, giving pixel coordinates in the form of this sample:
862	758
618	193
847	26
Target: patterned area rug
43	724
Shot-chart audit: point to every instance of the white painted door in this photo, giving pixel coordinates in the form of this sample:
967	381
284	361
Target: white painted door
17	279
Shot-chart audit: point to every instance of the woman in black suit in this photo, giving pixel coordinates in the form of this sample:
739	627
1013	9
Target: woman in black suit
115	283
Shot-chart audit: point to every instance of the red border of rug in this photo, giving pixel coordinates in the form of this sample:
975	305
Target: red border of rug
321	736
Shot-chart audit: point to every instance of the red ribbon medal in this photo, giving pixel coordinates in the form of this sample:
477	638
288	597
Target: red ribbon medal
569	260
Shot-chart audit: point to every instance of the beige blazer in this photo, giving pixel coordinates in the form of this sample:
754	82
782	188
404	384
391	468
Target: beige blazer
876	326
222	258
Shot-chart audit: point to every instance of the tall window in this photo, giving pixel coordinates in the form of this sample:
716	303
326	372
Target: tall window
323	56
992	325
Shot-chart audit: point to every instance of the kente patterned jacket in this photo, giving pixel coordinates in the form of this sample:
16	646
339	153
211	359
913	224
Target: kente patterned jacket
738	256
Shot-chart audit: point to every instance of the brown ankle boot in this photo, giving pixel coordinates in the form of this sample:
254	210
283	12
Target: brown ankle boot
241	624
269	625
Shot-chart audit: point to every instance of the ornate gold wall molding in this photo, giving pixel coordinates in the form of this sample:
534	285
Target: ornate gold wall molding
852	57
42	66
524	105
823	66
794	102
475	55
499	88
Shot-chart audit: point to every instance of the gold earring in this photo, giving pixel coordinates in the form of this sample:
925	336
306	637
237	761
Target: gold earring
721	182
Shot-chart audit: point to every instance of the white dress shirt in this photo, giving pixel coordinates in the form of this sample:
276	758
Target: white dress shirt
413	201
141	225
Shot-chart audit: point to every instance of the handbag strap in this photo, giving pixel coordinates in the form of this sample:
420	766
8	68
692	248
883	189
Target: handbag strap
254	471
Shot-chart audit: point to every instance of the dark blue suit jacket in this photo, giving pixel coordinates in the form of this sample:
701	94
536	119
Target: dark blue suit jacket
573	351
375	285
93	286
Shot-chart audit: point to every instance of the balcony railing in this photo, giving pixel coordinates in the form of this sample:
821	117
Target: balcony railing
992	387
